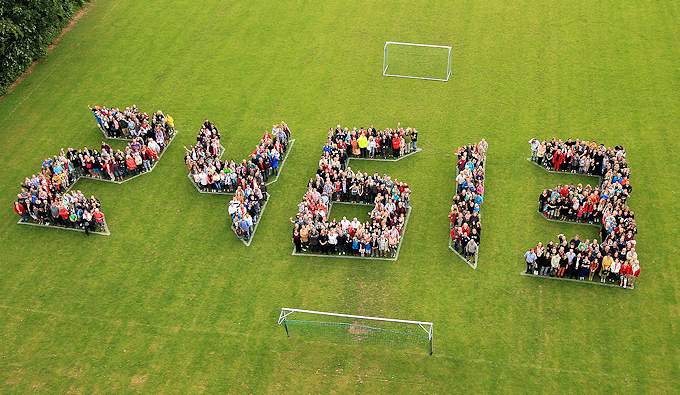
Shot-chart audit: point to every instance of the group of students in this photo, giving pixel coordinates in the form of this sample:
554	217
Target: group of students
112	164
572	156
464	217
604	205
130	123
45	198
576	259
148	138
335	181
371	143
247	180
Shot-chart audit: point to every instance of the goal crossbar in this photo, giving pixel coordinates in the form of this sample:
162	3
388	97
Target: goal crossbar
386	63
426	326
417	45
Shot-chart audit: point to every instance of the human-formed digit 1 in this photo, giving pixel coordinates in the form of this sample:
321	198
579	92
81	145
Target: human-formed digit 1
614	259
247	181
314	234
48	198
465	217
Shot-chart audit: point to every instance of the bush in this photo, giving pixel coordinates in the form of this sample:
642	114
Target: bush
27	27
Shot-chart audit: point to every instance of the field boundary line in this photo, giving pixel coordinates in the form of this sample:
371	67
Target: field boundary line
562	172
525	274
568	222
106	231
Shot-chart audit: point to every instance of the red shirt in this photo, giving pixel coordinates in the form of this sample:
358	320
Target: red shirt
453	217
98	216
130	162
151	154
19	208
626	269
395	143
453	233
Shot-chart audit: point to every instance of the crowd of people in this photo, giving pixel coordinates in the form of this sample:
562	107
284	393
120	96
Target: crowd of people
372	143
148	138
247	180
573	156
605	205
465	221
45	197
131	123
615	263
335	181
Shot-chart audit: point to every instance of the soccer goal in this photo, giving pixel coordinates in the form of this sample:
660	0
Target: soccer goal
418	61
356	328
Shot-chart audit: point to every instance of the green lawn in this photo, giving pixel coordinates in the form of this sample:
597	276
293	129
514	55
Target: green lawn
172	301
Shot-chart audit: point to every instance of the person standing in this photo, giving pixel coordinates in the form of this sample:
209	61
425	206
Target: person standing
544	263
396	146
534	149
297	240
615	270
593	269
607	263
554	263
530	259
362	142
625	274
634	273
471	248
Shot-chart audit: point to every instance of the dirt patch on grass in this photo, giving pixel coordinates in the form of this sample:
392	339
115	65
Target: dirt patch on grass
74	19
357	329
138	380
15	377
74	391
75	372
37	386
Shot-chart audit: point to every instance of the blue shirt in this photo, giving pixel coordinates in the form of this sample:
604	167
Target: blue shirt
530	256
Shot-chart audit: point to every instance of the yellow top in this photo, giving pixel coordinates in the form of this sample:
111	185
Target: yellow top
362	141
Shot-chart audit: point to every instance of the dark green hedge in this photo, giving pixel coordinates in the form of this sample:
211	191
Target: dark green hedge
27	27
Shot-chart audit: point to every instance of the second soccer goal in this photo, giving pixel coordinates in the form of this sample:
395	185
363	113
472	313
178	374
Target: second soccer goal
418	61
345	328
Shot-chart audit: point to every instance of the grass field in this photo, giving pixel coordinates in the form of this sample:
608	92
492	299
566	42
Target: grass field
172	301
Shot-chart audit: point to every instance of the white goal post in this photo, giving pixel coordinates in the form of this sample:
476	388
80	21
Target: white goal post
358	325
386	63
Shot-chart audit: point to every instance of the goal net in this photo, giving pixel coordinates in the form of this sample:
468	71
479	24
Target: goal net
359	329
419	61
